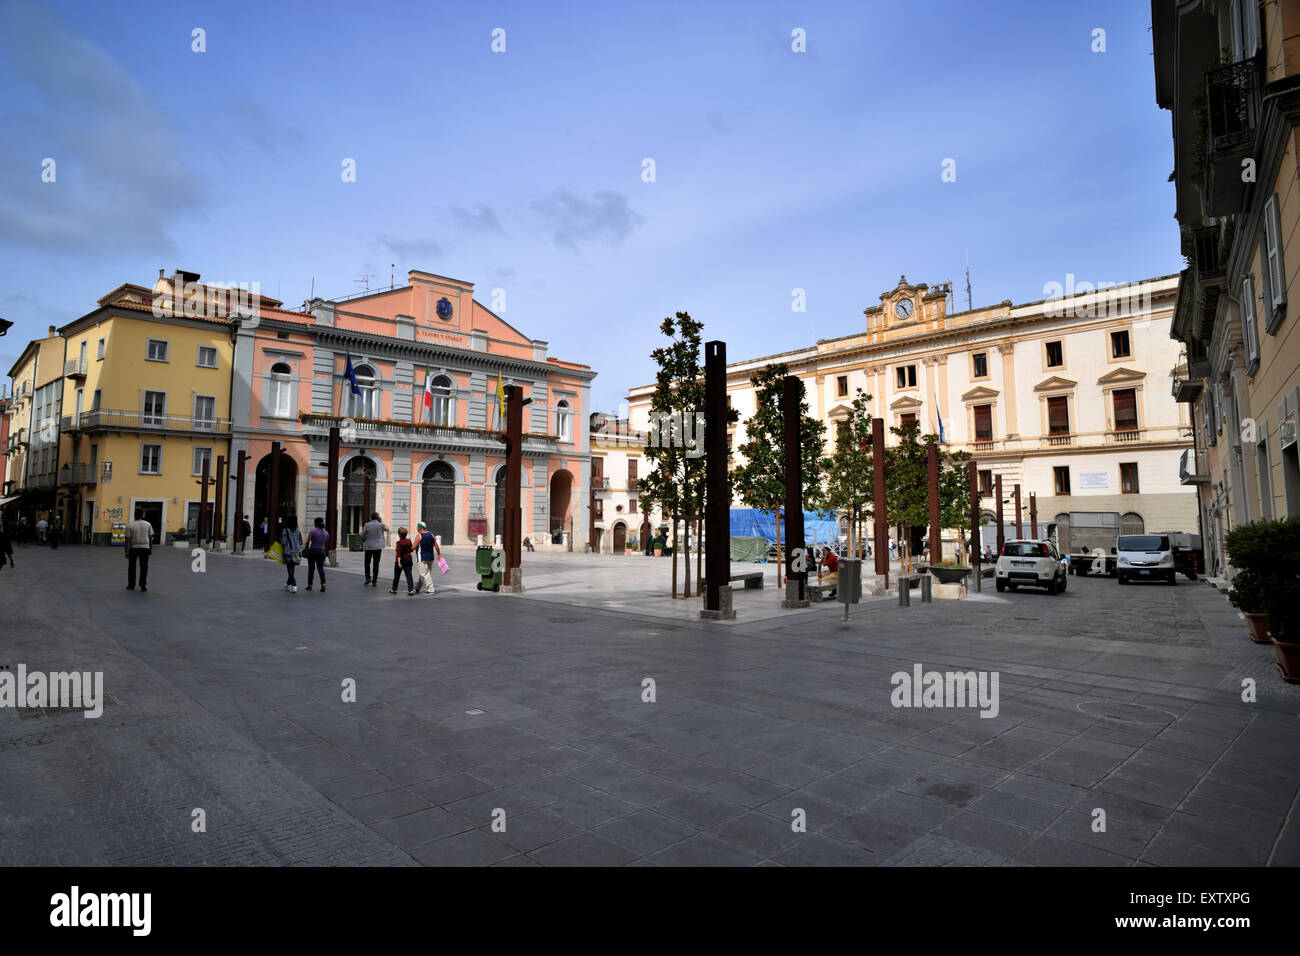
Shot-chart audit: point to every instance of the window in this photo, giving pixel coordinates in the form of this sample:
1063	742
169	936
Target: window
563	421
980	365
202	455
281	389
631	506
631	473
94	401
1128	478
1265	473
155	408
1273	273
1245	29
985	483
600	509
1208	417
1131	523
94	459
1249	330
1061	479
81	358
1058	415
157	350
1119	346
906	417
906	376
440	413
598	468
151	459
99	349
365	405
1126	416
207	357
205	412
1055	355
983	422
841	385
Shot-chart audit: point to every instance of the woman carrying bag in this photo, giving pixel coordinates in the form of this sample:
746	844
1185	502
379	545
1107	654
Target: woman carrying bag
404	561
291	543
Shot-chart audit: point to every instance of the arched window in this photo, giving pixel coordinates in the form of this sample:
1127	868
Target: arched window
281	389
440	414
563	421
1132	523
365	405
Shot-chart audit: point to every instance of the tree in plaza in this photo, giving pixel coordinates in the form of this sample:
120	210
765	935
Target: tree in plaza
907	498
674	480
954	494
761	479
849	475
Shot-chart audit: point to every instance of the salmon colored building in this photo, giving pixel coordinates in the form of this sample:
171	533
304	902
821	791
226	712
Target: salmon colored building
443	463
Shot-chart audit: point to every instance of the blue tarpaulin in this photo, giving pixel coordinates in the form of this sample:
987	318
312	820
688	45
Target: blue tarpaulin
818	529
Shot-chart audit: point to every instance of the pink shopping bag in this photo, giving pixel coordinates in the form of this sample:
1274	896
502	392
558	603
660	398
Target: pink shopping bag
442	564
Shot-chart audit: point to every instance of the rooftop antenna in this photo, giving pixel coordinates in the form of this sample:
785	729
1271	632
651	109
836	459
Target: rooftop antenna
392	276
313	288
364	279
969	304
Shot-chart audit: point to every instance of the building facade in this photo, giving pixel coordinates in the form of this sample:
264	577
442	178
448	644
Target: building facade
1227	72
617	459
32	444
1068	397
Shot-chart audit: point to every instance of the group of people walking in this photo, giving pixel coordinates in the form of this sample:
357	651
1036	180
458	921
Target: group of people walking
374	536
44	531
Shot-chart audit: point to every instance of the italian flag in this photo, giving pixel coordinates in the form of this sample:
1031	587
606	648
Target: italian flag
428	392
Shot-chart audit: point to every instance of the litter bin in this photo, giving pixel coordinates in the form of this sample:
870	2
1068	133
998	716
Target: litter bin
488	567
354	542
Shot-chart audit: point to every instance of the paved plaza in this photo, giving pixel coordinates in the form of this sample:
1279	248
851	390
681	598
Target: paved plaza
516	730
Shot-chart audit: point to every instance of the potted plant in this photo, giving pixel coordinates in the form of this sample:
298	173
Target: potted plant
632	546
949	572
659	547
1247	596
1270	551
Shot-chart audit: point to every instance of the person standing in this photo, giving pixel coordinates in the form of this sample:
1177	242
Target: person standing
291	545
266	544
318	540
245	529
42	527
139	544
6	549
403	562
374	539
56	532
429	552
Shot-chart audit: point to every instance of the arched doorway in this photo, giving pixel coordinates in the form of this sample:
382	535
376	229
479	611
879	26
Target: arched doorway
561	504
358	494
287	486
620	538
1132	523
438	501
499	504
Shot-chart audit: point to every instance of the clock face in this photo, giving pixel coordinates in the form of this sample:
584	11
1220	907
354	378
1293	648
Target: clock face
444	308
903	308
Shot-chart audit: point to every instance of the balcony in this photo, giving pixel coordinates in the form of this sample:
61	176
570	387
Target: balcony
1060	440
71	424
104	420
78	474
631	486
392	434
1190	470
982	445
1123	435
1231	115
599	483
75	370
41	479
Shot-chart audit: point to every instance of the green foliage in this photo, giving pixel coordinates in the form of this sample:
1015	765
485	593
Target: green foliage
760	481
849	471
1267	554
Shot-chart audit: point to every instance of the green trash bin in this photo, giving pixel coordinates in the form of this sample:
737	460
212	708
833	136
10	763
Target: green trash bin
354	542
487	567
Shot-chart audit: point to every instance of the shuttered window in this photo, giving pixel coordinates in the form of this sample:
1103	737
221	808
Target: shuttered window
1058	416
1126	416
983	422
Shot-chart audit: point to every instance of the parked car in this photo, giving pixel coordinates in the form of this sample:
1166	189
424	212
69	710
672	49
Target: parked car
1034	563
1145	557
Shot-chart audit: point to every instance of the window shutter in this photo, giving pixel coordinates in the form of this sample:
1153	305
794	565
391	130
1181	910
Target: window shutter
1125	408
1058	415
1275	267
1249	331
983	423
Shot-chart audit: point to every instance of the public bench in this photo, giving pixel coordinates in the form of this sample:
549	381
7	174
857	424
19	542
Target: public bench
753	580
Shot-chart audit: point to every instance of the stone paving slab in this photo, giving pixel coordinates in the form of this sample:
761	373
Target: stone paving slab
476	710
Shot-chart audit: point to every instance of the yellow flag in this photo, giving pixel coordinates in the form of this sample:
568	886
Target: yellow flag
501	399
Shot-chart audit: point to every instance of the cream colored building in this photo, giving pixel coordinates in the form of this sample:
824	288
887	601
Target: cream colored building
1069	397
617	465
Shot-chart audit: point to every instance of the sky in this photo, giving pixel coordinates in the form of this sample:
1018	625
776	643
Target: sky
524	169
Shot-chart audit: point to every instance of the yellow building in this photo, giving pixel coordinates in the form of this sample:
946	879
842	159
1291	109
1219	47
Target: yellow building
146	399
32	445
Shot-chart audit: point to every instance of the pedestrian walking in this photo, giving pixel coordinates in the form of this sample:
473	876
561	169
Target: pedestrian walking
374	538
56	532
42	527
403	562
139	545
429	552
291	546
242	531
318	541
23	531
266	544
6	548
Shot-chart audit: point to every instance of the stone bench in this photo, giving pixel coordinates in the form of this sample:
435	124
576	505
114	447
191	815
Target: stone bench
753	580
818	592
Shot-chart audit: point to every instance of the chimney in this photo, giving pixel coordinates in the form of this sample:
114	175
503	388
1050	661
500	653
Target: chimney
53	330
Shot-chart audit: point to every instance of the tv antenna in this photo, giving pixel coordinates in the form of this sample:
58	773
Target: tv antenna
364	279
969	304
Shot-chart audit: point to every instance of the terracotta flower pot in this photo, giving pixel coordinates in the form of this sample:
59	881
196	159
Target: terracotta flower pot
1288	661
1258	627
659	552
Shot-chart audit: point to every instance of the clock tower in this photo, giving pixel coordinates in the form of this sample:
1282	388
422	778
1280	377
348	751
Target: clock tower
908	306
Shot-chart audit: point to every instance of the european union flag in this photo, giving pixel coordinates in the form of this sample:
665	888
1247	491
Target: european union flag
941	438
351	376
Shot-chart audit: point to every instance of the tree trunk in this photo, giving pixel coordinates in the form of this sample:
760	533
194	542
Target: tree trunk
675	550
699	554
779	562
686	525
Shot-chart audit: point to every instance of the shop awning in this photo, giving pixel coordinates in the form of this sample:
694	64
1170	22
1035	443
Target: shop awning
5	501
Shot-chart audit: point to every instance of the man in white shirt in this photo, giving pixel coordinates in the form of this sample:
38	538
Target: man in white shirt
373	539
139	544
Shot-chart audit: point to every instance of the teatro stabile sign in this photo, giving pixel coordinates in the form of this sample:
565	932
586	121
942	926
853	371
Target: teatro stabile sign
434	336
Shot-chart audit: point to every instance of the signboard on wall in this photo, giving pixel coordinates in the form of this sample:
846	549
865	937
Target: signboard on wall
1094	479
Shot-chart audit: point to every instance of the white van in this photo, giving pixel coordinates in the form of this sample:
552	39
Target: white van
1145	557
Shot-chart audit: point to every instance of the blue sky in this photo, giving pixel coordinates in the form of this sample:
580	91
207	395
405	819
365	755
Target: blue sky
522	170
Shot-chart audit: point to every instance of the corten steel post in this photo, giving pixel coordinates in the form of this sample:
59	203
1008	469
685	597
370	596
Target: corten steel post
1033	514
272	506
1020	530
974	521
932	461
239	497
218	519
332	495
717	505
365	496
1001	536
882	519
514	462
203	503
796	561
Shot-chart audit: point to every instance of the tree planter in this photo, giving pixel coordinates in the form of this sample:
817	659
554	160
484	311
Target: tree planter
949	575
1258	624
1288	661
